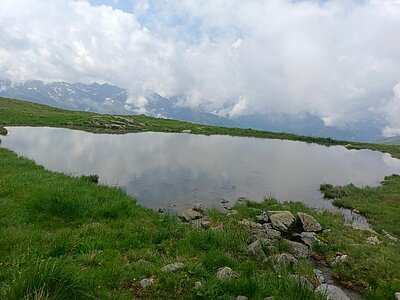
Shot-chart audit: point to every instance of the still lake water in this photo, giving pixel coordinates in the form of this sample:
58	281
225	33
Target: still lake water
173	171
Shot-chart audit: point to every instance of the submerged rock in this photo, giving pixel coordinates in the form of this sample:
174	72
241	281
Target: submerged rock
282	220
173	267
309	223
225	273
332	292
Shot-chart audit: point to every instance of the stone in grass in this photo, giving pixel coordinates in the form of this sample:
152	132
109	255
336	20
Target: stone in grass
309	238
282	220
301	280
190	215
320	276
241	298
269	298
340	259
146	282
263	218
225	273
332	292
257	251
173	267
373	240
298	250
397	296
309	223
198	285
389	236
285	259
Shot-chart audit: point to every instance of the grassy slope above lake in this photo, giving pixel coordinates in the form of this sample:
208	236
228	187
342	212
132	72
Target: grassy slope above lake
65	238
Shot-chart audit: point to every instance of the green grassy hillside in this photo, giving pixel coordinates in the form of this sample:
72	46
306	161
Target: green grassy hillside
68	238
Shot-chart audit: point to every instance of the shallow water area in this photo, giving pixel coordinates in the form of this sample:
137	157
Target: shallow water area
175	170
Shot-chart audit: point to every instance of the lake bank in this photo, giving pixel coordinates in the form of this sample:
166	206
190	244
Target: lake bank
97	242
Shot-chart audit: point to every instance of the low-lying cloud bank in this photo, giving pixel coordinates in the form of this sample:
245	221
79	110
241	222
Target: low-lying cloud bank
339	60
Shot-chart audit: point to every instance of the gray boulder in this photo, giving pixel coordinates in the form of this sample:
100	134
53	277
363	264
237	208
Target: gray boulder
332	292
309	223
190	215
257	251
263	218
249	224
298	250
282	220
397	296
309	238
285	259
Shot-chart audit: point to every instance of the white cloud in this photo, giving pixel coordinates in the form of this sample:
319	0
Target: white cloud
391	110
335	59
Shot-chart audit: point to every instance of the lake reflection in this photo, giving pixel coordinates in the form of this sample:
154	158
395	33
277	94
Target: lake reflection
176	170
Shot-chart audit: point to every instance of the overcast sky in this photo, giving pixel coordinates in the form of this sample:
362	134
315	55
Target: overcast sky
339	60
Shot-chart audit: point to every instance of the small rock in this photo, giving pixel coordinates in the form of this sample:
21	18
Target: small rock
173	267
198	285
309	238
143	261
373	240
320	276
285	259
224	201
232	213
257	251
217	228
332	292
242	199
190	215
146	282
298	250
199	208
309	223
341	259
269	298
205	224
161	210
302	280
282	220
186	131
241	298
249	224
397	296
389	236
225	273
263	218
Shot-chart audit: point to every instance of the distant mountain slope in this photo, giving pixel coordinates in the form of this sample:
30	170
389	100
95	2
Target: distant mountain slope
391	141
106	98
102	98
